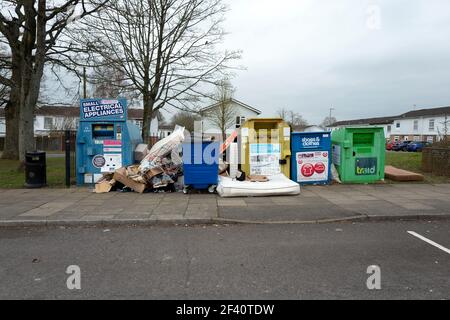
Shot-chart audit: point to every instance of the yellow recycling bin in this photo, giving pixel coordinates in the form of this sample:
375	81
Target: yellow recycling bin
265	146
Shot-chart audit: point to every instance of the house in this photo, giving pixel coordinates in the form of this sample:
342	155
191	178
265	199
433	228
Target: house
241	110
52	120
165	130
421	125
385	122
418	125
48	119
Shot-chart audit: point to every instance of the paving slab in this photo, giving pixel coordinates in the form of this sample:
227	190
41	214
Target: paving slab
315	203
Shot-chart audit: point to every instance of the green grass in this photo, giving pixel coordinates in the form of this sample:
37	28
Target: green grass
12	177
412	161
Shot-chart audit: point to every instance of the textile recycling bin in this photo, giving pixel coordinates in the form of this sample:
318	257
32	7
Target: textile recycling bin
265	147
311	157
358	154
105	139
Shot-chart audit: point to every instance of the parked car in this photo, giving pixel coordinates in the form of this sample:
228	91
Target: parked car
390	145
401	146
417	146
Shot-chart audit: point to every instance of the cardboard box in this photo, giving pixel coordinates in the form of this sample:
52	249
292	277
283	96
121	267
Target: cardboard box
104	186
257	178
153	172
121	176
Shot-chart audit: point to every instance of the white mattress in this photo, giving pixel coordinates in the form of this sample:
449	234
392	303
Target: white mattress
277	185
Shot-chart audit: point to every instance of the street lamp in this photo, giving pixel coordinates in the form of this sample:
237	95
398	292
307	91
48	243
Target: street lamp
331	109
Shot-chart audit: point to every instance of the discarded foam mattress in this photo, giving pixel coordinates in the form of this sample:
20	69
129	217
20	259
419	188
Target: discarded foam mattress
277	185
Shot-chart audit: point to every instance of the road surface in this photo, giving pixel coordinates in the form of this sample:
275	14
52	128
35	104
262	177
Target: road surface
319	261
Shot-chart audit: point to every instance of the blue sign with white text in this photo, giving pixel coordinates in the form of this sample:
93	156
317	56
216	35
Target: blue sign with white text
103	109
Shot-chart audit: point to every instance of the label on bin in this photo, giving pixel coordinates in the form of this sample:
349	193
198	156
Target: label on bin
337	154
98	161
265	158
312	166
365	166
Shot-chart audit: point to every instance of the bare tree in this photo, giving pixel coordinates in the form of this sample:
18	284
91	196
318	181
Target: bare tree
222	114
4	72
293	118
108	81
185	119
328	121
31	29
443	135
166	48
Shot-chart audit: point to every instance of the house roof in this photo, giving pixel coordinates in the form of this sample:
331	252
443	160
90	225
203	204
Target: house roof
426	112
236	102
387	120
71	111
369	121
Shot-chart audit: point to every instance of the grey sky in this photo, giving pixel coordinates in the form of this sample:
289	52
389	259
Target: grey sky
308	55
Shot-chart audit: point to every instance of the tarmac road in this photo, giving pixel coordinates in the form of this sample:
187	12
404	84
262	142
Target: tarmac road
320	261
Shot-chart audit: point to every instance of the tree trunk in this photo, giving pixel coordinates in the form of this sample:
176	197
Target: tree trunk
224	135
11	149
147	118
26	130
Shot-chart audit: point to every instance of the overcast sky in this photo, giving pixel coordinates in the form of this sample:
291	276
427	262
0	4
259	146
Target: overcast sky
363	58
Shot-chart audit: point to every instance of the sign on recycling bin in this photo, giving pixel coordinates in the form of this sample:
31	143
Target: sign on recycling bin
312	166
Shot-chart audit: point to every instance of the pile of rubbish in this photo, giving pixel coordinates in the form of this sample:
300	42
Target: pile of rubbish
160	169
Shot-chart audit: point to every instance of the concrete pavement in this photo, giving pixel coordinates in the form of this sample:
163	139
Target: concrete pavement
318	261
80	206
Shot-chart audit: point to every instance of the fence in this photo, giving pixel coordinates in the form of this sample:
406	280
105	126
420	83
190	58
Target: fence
54	142
436	160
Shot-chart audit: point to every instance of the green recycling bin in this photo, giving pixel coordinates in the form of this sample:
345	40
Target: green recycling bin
358	154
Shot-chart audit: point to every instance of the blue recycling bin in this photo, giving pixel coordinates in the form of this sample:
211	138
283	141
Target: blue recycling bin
201	165
311	153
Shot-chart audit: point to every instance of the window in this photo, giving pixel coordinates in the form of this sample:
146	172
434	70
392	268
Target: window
431	125
239	121
416	125
48	123
389	128
416	138
397	125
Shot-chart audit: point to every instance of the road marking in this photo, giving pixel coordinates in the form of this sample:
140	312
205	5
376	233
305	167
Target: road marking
437	245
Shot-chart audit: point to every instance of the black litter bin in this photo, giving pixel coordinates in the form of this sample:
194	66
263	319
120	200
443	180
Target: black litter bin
35	169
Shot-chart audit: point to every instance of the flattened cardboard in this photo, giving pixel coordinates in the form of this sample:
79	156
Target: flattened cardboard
121	176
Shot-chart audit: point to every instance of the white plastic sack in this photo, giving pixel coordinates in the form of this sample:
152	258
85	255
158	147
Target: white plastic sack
335	174
161	149
277	185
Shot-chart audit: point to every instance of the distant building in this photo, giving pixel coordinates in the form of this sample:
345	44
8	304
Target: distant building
308	128
48	119
417	125
165	130
243	112
385	122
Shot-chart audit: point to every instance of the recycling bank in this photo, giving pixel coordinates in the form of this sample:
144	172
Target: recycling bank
105	138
